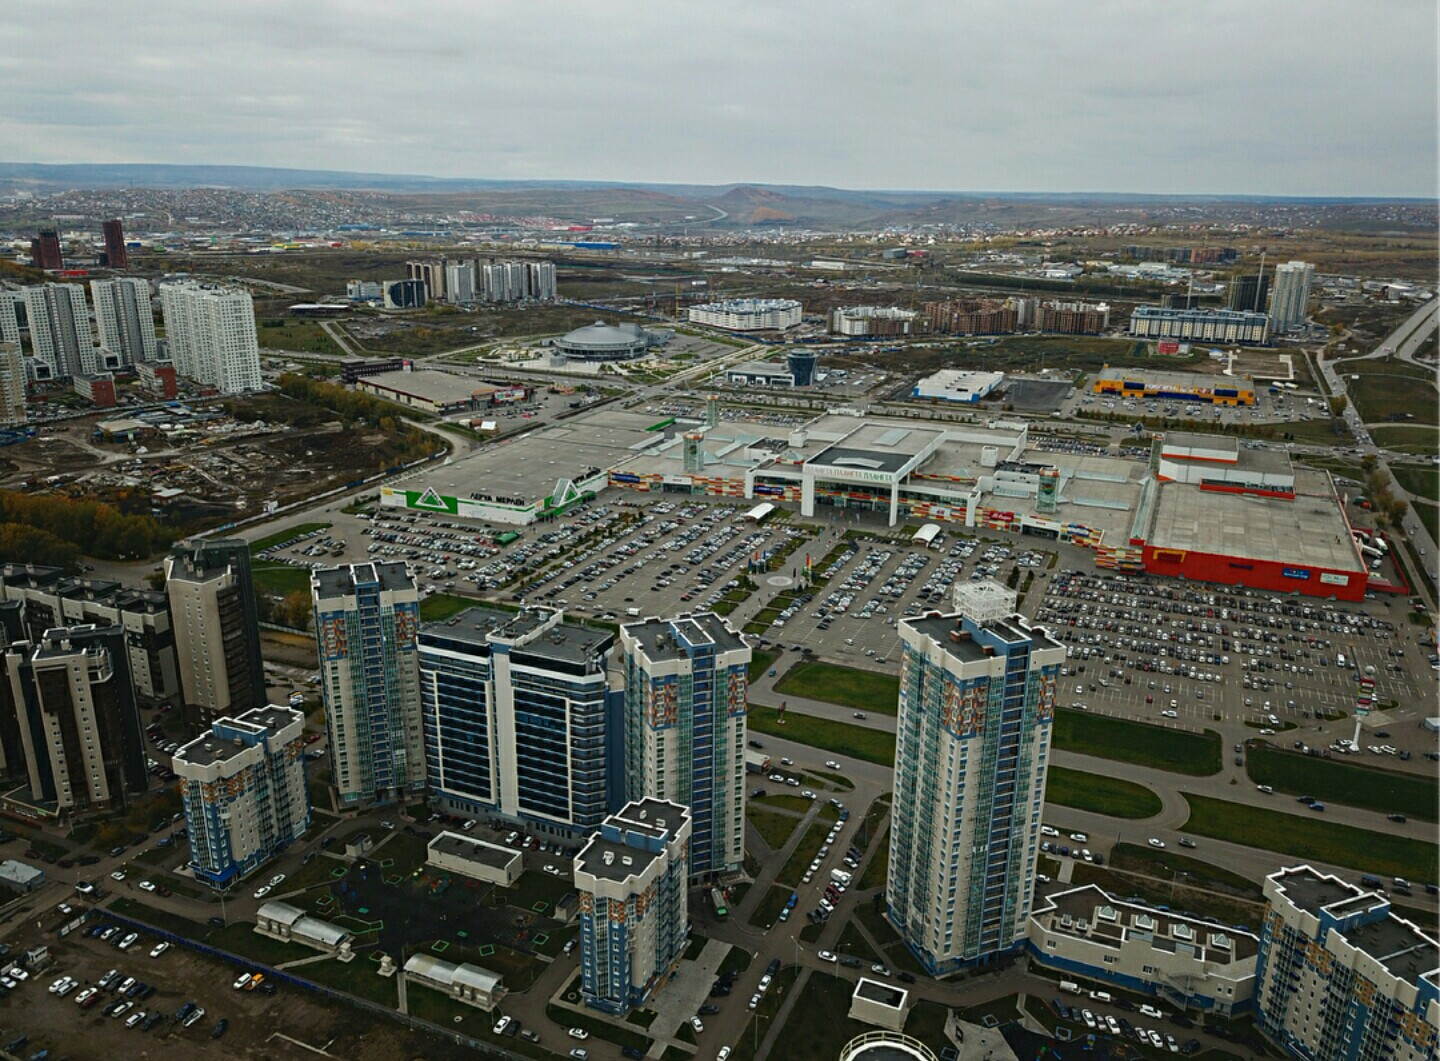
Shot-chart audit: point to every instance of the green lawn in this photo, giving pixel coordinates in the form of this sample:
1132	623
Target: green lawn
863	690
782	800
763	1019
804	852
1338	781
760	662
1388	387
819	1024
261	544
1422	482
295	336
770	906
440	606
842	738
279	579
1136	742
737	959
1312	837
1404	438
1100	794
774	828
1430	516
1163	864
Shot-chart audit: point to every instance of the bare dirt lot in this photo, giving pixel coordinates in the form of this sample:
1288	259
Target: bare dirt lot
260	1026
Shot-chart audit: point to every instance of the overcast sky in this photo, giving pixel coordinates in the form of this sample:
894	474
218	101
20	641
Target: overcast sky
1296	97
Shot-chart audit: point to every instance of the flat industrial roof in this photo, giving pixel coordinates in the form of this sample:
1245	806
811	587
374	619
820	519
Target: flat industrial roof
528	467
430	385
1309	531
467	847
1161	378
656	819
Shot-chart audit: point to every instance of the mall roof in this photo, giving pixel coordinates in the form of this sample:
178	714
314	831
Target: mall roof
431	386
1309	531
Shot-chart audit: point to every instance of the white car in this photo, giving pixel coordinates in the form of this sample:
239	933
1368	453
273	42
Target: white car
1156	842
146	886
242	981
697	1024
118	874
262	891
1080	838
129	941
277	880
159	949
1047	830
828	956
723	1054
135	1018
501	1025
578	1033
832	764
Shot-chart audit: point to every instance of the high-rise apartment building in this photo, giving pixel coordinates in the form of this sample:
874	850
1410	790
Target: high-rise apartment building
12	384
117	256
211	335
685	704
517	719
45	250
1249	291
367	621
79	729
124	318
541	280
977	699
634	914
243	784
1341	976
432	275
1289	305
48	597
60	336
460	283
217	628
13	316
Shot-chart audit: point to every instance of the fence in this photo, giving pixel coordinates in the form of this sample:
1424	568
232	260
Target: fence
282	976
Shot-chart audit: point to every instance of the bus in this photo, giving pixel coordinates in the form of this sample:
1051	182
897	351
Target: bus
718	899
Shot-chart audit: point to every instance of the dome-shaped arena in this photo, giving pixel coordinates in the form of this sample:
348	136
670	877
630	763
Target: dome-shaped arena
606	342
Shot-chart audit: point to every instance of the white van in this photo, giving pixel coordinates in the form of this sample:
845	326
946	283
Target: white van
1071	986
839	876
632	612
1340	660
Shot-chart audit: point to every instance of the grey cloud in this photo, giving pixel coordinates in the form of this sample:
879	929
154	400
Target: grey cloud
1289	97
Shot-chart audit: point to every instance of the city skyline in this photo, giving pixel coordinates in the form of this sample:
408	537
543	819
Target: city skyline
761	95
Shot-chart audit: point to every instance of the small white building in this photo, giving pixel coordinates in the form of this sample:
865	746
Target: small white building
290	924
477	859
880	1004
954	385
465	983
20	876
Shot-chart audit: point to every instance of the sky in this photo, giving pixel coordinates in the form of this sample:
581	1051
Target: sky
1262	97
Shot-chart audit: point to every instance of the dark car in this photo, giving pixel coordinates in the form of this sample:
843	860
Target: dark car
849	962
1396	817
219	1029
773	967
632	1051
709	1008
215	922
755	744
905	978
151	1021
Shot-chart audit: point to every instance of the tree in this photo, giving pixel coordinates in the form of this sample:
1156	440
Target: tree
1337	405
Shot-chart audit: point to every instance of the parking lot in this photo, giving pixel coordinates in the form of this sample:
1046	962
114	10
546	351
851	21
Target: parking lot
258	1024
872	584
1201	654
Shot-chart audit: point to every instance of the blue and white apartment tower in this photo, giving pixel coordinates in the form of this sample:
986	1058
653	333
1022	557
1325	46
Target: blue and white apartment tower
685	702
1342	977
977	699
243	785
367	622
634	909
517	726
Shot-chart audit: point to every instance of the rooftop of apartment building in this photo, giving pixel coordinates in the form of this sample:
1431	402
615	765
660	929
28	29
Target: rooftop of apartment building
218	747
478	627
666	639
343	581
948	631
654	819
